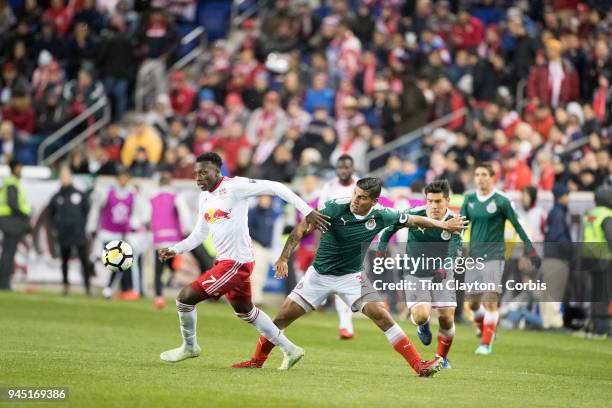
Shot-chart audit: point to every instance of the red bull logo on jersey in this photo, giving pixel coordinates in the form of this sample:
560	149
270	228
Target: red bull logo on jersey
213	215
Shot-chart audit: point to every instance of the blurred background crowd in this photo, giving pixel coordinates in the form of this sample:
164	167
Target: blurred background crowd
299	83
413	91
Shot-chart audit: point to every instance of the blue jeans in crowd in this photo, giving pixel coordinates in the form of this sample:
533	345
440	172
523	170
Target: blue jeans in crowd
117	92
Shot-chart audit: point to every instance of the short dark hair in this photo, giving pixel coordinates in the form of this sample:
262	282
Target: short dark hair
457	186
373	185
438	186
487	166
346	157
13	164
212	157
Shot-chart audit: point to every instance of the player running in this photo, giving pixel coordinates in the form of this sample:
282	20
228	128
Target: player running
338	269
434	245
341	187
223	209
487	210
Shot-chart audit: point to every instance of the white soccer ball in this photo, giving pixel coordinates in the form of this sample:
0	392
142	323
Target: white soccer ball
117	256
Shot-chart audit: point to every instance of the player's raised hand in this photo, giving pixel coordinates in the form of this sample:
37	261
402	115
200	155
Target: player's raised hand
165	253
281	268
320	221
456	224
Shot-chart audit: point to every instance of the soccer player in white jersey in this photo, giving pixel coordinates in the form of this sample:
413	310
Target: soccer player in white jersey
340	187
223	209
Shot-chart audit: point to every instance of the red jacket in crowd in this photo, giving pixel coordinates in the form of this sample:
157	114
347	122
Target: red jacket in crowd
470	35
182	99
538	85
519	177
23	120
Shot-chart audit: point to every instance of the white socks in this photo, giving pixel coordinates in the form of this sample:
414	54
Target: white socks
267	328
395	334
188	318
491	317
345	314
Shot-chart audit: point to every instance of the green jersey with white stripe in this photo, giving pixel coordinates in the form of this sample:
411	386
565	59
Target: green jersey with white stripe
341	248
435	246
487	216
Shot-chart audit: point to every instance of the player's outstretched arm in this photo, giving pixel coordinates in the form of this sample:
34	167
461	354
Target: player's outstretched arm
456	224
250	188
280	266
165	253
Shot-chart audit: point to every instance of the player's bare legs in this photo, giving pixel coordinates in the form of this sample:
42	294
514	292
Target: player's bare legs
188	318
478	312
401	343
289	312
420	315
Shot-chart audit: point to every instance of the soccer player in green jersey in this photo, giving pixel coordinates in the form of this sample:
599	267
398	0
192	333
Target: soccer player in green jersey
440	249
338	269
487	210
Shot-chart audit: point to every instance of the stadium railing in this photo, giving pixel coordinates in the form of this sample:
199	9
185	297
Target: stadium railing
101	106
196	41
520	95
408	146
243	10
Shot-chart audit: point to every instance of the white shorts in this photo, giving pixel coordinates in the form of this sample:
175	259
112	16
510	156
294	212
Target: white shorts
439	298
314	288
492	273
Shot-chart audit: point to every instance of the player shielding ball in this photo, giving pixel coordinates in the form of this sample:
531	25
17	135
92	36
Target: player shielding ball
487	210
338	269
435	245
223	209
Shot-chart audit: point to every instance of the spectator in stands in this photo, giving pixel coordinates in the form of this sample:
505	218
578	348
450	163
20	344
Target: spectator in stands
182	94
236	111
447	100
89	15
351	120
553	81
269	117
141	167
30	13
209	113
81	49
112	141
253	95
231	143
47	39
50	113
20	112
319	95
142	136
517	175
279	166
185	162
160	115
157	41
61	15
20	58
81	93
599	64
10	83
117	62
78	162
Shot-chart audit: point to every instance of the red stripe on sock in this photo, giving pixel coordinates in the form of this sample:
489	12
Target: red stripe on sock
263	349
487	333
479	321
444	345
405	347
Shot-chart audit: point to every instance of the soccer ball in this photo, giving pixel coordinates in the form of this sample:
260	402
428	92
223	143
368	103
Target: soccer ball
117	256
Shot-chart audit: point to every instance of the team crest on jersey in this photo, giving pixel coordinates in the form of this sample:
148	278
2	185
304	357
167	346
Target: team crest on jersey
445	235
370	224
75	198
491	207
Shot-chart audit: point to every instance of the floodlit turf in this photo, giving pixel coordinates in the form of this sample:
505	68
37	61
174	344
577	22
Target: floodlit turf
107	353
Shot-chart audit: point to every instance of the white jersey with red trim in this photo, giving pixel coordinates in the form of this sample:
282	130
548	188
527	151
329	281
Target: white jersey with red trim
334	189
223	212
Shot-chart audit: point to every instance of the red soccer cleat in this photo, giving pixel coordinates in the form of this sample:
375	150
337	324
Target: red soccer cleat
252	363
344	334
430	367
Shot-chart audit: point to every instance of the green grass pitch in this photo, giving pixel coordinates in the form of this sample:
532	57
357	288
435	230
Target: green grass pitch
107	353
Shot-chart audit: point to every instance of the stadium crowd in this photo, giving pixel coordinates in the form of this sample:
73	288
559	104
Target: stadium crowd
304	82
